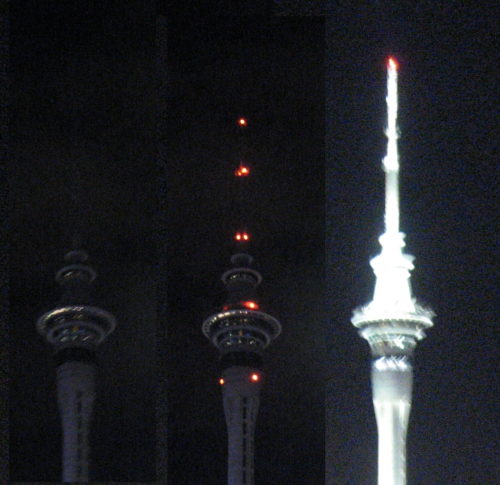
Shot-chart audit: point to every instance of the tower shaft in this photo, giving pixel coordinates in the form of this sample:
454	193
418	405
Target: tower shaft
241	404
76	394
392	387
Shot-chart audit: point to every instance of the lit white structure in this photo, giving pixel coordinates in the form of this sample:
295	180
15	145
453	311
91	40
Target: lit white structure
241	332
393	321
75	329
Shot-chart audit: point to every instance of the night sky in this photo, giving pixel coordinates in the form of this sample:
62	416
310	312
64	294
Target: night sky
135	151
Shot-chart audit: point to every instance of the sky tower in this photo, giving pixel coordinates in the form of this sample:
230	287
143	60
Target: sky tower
75	328
393	321
241	331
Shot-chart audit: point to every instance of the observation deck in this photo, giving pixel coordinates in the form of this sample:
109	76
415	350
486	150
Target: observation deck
75	322
240	325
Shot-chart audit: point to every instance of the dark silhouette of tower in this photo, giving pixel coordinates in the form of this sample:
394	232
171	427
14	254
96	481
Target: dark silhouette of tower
241	331
75	328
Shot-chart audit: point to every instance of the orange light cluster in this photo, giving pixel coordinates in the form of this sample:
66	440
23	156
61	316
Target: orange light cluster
254	377
242	236
242	122
252	305
221	381
242	171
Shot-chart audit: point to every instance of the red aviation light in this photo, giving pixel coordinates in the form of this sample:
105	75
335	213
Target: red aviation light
221	381
251	305
254	377
242	236
242	122
392	63
242	171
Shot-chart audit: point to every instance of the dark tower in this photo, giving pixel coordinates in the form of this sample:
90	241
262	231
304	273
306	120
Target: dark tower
241	331
75	328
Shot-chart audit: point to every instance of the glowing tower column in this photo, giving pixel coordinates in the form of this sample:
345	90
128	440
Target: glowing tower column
393	321
75	329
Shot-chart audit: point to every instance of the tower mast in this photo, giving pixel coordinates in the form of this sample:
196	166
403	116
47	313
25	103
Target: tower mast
241	331
75	328
393	321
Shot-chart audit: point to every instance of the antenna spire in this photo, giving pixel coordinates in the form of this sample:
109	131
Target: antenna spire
391	160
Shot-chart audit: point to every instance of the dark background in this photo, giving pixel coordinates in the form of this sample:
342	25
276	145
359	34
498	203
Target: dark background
138	158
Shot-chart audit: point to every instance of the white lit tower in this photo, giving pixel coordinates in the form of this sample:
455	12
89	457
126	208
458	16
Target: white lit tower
75	328
241	330
393	321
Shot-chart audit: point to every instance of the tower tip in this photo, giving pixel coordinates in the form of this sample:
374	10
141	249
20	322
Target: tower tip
392	63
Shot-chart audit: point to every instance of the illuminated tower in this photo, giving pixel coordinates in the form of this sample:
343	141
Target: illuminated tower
241	331
393	321
75	328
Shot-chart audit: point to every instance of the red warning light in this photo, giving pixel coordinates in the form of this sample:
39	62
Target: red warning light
392	63
221	381
254	377
242	171
242	122
242	236
252	305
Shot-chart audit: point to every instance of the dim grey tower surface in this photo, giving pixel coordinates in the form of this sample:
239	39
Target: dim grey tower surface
393	321
75	328
241	331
